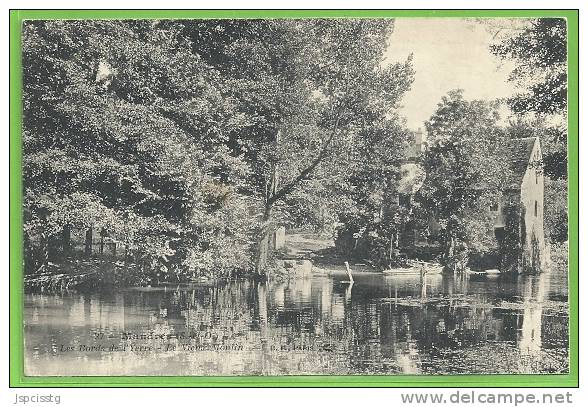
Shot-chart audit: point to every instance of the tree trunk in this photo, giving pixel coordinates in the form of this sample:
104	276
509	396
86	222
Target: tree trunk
88	244
450	255
43	252
273	194
391	250
102	234
29	254
66	240
263	244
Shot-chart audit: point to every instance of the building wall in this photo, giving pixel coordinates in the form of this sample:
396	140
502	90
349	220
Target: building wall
531	199
417	145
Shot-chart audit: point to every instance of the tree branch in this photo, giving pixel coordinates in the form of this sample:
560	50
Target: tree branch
304	174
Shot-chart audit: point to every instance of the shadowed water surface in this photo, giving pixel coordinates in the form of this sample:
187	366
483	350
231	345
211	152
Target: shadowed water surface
320	325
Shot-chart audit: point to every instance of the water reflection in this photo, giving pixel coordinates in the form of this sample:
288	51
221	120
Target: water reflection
320	325
533	292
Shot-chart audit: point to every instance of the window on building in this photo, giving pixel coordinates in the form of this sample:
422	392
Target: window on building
535	208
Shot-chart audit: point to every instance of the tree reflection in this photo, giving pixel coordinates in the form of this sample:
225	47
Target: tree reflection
321	325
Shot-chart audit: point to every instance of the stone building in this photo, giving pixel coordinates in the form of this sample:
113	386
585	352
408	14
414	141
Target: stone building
518	224
417	146
519	215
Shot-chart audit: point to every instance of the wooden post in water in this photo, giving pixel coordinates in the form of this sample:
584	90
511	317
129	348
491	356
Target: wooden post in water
350	286
349	272
423	281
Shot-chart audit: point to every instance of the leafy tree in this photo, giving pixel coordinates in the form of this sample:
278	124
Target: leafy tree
123	130
464	173
179	139
539	53
372	218
540	56
306	86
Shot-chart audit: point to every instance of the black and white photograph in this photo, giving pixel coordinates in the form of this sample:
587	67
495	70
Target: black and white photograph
295	196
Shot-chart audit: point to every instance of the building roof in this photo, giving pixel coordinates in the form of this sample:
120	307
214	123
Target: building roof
519	156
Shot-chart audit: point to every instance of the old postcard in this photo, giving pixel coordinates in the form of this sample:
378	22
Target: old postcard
295	196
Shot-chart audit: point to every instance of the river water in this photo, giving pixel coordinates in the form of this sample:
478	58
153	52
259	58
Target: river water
319	325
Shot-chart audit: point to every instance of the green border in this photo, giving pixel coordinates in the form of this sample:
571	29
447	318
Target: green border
17	377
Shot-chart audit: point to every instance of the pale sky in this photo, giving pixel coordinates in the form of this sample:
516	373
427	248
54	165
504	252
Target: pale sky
448	53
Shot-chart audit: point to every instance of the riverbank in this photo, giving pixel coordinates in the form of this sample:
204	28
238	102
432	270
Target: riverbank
303	254
86	274
314	251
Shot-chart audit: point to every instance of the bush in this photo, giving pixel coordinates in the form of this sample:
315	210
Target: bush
556	209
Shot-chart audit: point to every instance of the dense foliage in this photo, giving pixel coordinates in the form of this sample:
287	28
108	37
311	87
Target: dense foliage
539	53
178	140
188	142
465	167
370	215
125	130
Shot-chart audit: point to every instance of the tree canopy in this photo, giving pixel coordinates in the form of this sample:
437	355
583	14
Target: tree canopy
178	138
465	169
540	56
539	53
